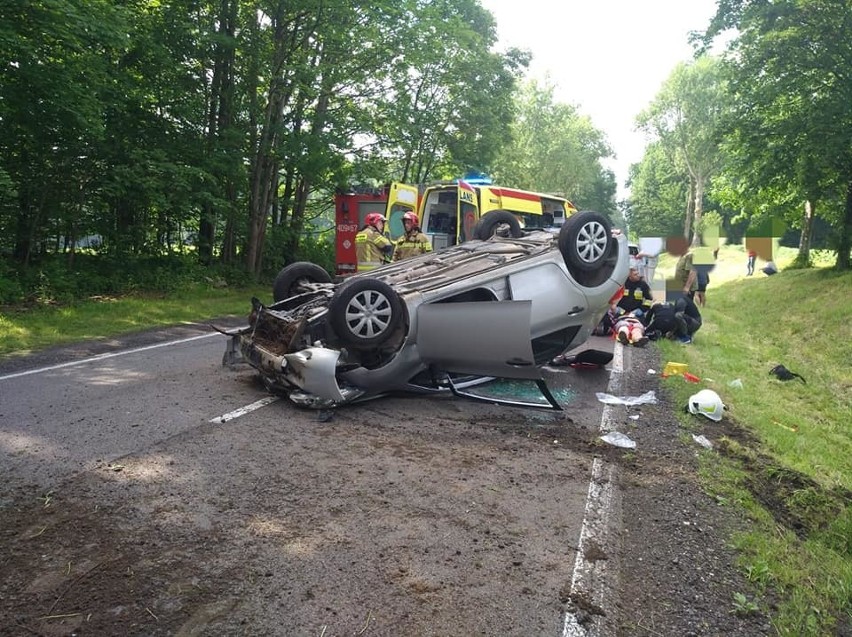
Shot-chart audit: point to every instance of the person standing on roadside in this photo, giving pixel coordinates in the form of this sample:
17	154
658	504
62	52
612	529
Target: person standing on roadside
371	245
702	277
686	275
752	258
413	242
649	266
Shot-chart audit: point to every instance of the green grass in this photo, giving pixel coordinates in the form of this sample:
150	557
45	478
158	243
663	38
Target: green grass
793	482
26	329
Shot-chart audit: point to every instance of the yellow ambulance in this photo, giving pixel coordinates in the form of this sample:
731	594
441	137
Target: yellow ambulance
448	211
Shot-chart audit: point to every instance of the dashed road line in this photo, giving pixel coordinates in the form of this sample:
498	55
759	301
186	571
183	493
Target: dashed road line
242	411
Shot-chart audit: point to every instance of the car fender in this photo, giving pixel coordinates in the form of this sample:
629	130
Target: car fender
313	370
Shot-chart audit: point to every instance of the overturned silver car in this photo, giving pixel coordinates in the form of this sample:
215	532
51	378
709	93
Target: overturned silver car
496	307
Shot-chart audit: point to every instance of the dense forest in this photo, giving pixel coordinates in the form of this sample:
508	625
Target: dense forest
215	132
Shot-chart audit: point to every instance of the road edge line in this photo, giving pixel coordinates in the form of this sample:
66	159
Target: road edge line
592	581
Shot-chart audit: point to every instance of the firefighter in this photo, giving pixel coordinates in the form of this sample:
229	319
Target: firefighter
413	242
371	245
637	293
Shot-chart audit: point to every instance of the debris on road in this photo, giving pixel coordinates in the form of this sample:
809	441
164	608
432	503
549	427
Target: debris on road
701	440
648	398
618	439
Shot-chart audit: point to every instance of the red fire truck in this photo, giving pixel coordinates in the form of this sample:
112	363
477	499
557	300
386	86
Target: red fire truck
351	206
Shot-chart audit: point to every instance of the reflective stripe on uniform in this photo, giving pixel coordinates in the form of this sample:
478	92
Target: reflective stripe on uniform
371	248
406	248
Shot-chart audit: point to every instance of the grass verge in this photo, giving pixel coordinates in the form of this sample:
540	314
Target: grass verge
789	467
26	329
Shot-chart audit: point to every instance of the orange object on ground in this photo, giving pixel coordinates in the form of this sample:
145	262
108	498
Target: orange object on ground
690	378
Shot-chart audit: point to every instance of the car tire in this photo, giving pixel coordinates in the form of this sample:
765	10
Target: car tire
365	312
586	241
501	223
292	276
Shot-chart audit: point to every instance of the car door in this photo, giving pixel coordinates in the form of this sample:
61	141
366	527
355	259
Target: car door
488	338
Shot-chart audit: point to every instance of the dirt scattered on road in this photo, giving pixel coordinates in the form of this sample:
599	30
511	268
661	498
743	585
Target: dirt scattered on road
382	521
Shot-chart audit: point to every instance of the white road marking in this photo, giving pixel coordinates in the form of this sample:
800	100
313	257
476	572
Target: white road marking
242	411
589	580
101	357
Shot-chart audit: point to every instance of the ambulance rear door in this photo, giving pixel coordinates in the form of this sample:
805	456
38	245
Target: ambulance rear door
448	214
468	211
402	198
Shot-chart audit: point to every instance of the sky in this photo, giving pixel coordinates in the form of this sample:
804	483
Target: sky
607	57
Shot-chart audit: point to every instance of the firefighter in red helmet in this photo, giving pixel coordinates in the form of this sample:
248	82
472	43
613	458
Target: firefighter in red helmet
413	242
371	245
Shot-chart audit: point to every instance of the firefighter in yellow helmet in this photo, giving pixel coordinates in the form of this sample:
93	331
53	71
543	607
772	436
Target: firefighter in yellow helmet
413	242
371	245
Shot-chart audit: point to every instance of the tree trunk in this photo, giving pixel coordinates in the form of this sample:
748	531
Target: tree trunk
844	243
803	258
263	184
297	220
264	178
219	117
698	211
690	204
285	207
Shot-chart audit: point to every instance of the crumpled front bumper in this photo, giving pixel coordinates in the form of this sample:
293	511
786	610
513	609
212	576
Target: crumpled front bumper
312	370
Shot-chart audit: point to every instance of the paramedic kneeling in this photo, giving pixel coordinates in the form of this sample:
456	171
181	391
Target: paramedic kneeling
687	319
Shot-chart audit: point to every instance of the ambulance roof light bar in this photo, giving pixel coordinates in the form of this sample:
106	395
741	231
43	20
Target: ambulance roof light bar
476	179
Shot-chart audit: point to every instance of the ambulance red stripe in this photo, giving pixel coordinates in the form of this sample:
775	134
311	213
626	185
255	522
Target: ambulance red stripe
516	194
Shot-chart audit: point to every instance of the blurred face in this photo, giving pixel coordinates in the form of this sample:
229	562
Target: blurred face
633	275
408	223
380	225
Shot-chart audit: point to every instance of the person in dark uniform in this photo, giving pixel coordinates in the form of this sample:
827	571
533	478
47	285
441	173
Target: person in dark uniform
687	319
660	320
637	294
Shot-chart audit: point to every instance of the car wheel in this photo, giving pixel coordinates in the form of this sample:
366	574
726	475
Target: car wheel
501	223
291	277
365	312
585	241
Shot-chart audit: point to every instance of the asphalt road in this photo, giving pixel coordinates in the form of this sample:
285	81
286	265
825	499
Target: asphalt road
404	515
76	409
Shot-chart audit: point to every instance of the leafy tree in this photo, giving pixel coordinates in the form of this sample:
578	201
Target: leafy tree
438	120
658	194
686	117
553	148
56	61
790	141
400	75
141	121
